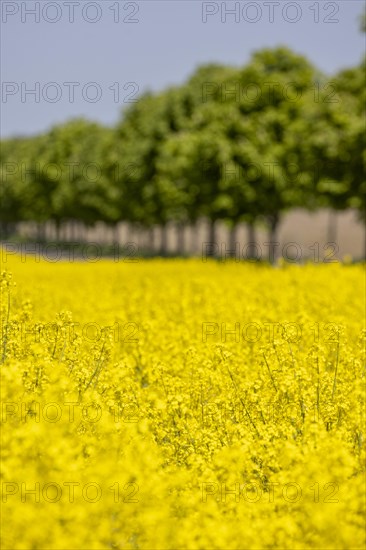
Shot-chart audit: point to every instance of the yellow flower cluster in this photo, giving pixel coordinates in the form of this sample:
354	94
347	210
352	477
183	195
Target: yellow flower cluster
182	405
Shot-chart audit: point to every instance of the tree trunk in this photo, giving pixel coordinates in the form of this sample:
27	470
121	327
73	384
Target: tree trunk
212	231
181	238
57	230
211	246
251	248
193	240
234	246
164	240
40	232
116	233
72	230
151	239
273	226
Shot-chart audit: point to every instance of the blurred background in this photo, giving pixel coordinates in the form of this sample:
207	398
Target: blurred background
207	128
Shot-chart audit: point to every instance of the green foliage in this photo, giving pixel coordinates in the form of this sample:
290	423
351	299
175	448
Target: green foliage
230	143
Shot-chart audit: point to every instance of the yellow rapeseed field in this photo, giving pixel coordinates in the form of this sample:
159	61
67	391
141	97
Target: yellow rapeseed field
180	404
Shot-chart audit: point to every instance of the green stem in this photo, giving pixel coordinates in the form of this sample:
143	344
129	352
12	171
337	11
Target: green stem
6	330
335	372
270	373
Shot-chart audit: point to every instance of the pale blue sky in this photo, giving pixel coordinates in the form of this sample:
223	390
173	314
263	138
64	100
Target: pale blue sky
164	46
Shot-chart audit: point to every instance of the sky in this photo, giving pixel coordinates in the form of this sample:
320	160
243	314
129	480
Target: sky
91	59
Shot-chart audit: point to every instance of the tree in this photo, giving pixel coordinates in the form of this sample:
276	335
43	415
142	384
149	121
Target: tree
13	153
330	145
272	86
70	175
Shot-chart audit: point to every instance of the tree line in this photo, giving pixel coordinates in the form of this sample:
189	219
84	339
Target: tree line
232	144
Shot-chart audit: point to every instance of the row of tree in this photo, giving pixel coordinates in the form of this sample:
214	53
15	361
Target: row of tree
232	144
